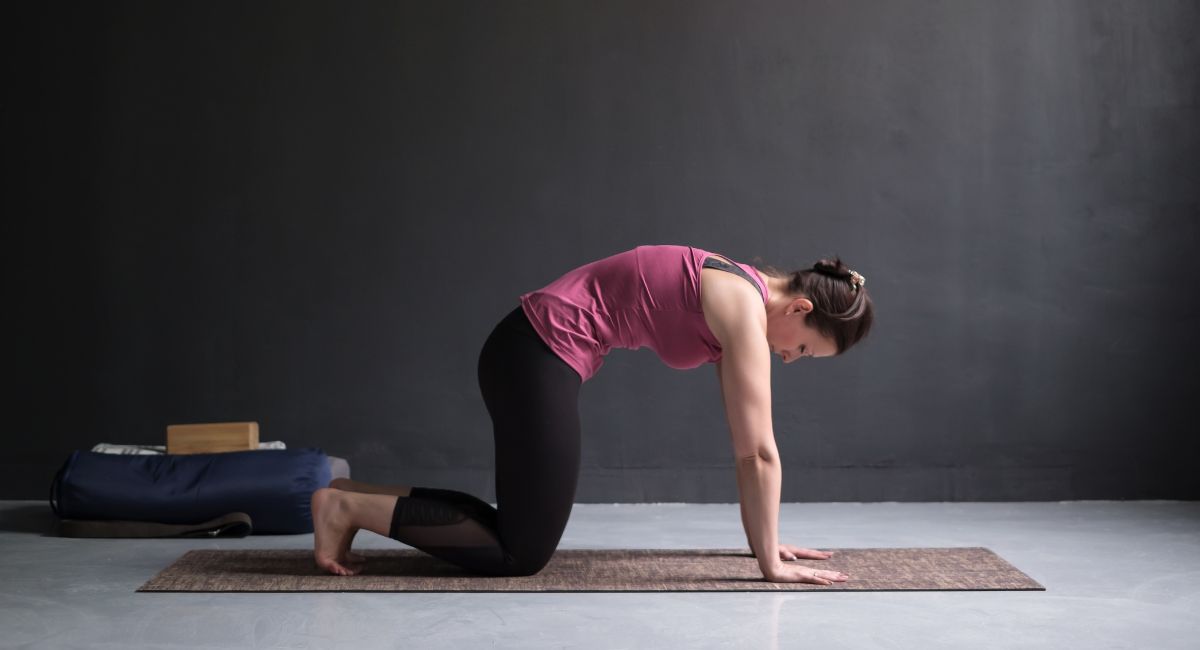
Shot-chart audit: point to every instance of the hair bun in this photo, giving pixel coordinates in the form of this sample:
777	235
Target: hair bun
834	268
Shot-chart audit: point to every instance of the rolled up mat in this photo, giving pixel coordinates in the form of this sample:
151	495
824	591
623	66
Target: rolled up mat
273	487
234	524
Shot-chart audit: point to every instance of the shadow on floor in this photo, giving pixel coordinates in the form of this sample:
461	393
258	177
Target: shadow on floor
31	518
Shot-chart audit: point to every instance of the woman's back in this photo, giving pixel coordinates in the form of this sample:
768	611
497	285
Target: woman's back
645	297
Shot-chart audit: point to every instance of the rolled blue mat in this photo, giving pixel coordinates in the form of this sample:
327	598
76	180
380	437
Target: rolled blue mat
274	487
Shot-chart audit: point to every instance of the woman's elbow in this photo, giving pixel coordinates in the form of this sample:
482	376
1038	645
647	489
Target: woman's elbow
765	455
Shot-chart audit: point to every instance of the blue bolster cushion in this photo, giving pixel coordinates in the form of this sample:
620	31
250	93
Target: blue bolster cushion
273	486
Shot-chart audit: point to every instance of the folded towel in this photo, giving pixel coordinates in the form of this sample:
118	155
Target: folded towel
152	450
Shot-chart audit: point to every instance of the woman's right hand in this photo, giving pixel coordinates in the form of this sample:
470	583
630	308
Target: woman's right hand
795	573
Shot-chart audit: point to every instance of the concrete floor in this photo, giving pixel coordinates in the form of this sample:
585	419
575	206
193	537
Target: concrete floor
1118	575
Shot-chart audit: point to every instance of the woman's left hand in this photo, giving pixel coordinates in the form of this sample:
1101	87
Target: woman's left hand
789	552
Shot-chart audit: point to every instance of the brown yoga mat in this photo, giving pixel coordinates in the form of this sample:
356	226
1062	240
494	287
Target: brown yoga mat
870	569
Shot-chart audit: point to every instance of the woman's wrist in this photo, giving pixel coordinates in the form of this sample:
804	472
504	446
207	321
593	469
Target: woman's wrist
771	569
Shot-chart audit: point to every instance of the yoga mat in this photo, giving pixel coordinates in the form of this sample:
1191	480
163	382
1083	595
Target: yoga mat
870	569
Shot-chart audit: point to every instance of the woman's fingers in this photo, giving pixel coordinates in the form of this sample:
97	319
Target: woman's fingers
796	573
789	552
832	576
826	577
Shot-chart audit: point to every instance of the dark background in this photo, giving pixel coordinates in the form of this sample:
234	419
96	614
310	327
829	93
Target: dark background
311	215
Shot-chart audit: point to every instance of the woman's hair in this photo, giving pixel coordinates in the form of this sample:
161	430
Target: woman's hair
842	308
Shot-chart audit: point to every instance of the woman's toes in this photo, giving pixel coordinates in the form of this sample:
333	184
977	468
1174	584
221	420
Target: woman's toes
331	566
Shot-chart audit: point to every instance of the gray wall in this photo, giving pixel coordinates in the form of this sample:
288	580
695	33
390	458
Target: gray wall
311	215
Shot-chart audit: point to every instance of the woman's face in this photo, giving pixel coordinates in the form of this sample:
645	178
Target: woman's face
790	336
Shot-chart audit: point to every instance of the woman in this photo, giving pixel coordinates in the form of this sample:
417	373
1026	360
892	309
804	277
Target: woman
688	305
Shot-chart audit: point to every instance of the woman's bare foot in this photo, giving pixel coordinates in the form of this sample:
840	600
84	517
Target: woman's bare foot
333	533
368	488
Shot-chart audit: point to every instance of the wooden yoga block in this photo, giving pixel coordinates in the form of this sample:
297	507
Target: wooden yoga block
212	437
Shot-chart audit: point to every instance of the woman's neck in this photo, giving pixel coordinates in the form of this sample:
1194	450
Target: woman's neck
777	297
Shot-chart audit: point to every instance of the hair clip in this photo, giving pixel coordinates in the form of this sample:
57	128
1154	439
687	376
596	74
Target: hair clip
857	280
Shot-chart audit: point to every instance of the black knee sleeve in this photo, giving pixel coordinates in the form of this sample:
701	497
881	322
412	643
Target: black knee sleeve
470	505
415	511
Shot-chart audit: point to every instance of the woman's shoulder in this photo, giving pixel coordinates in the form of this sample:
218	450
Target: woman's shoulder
730	304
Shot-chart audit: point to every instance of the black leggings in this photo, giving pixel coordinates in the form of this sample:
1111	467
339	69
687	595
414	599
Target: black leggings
533	398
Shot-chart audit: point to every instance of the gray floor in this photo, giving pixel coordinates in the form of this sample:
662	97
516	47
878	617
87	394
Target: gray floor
1118	575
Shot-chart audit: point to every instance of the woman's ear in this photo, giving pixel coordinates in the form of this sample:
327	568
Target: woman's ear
802	305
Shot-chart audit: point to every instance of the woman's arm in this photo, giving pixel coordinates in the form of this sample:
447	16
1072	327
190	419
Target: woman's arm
744	372
735	316
725	405
745	378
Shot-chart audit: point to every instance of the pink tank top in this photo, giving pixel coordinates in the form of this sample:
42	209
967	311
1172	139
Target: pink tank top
645	297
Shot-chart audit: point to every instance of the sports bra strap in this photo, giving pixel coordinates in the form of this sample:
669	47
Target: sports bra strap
711	262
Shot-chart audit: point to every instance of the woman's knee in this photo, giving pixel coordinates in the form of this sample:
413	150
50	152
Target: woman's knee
525	565
502	565
517	561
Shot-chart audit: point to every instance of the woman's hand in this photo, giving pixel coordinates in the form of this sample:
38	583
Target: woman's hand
788	552
796	573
